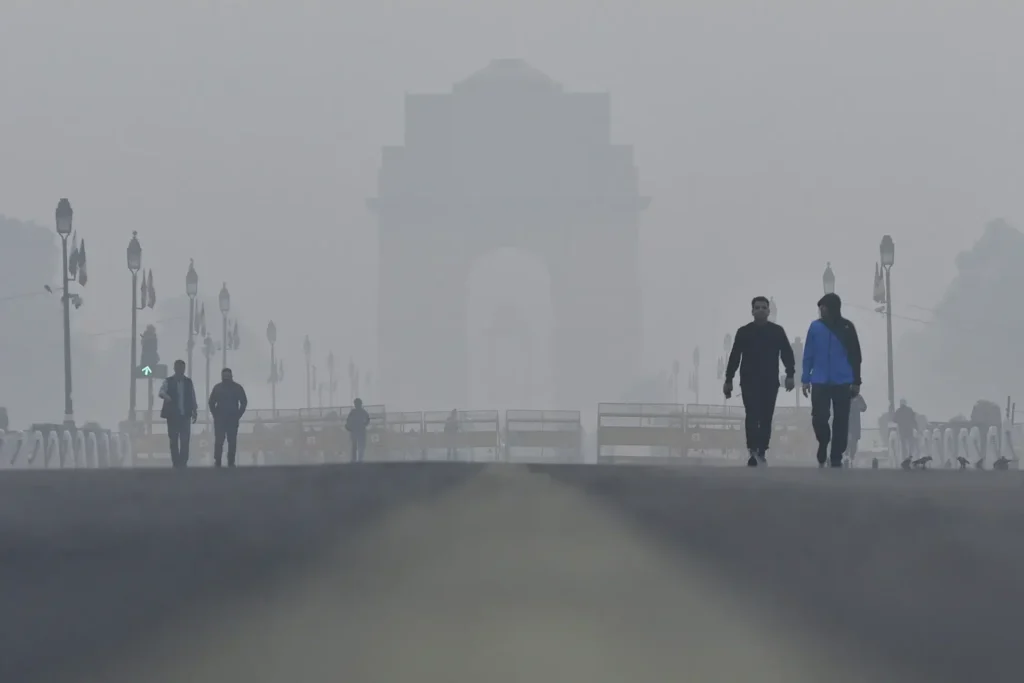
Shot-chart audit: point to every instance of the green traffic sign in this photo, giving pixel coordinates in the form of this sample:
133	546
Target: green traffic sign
147	371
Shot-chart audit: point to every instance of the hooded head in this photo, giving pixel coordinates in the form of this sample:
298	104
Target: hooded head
830	307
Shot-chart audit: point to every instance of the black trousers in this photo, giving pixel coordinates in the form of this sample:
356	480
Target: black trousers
358	445
759	405
834	399
225	429
179	431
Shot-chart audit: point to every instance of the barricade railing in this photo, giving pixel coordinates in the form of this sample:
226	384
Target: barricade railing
51	447
545	435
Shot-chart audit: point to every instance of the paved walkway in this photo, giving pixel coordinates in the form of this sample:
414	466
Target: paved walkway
447	573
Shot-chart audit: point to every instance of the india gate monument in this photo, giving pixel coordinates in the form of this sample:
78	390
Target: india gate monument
509	158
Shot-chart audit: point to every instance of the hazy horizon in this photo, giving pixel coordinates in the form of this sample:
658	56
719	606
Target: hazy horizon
248	136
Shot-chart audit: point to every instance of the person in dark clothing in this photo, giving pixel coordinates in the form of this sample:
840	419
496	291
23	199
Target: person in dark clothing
355	424
227	405
857	406
906	422
831	377
179	395
756	350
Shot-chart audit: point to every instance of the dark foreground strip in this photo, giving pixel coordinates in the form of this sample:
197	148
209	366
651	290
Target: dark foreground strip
923	570
93	562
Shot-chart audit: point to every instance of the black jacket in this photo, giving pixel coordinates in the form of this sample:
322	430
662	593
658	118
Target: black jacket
228	402
170	389
756	350
357	421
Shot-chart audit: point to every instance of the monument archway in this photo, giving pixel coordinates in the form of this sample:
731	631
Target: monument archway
507	159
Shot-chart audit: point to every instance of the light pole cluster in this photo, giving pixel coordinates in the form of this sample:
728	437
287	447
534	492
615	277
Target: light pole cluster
72	268
883	295
276	366
147	293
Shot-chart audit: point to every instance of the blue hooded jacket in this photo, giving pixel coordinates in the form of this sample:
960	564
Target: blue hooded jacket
832	349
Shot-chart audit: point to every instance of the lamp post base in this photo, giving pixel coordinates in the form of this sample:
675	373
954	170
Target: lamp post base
69	421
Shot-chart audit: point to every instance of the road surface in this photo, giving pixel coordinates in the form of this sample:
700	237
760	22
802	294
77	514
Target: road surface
445	573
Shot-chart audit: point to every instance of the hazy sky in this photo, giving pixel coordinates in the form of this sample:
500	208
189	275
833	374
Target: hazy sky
773	136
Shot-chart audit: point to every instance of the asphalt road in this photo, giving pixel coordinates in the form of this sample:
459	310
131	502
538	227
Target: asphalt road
445	573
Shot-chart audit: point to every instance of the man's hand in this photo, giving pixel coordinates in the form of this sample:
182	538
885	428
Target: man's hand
790	383
195	416
806	389
854	389
727	389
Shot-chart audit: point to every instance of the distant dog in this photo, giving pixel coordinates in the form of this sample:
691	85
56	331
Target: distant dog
922	463
963	462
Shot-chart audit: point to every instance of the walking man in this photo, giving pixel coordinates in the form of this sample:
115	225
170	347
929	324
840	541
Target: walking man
355	424
756	350
831	377
227	405
180	409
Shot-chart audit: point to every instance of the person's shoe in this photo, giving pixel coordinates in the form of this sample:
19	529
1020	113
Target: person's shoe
822	454
837	463
821	465
216	463
761	460
752	460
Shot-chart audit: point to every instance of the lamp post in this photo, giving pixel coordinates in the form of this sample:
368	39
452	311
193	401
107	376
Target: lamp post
828	279
63	216
319	390
773	310
275	372
307	349
134	265
191	288
209	348
224	299
887	252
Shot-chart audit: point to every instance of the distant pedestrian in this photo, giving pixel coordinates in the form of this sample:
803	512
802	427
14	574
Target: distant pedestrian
905	420
227	405
831	377
180	409
355	424
756	350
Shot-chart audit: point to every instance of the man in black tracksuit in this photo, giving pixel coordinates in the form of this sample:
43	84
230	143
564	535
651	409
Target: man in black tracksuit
756	350
227	404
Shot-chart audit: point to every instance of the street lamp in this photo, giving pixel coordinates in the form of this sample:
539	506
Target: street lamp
276	370
134	254
828	279
307	349
192	289
225	307
148	295
64	215
887	252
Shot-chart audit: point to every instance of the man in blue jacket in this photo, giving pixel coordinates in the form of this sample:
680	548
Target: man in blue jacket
831	376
